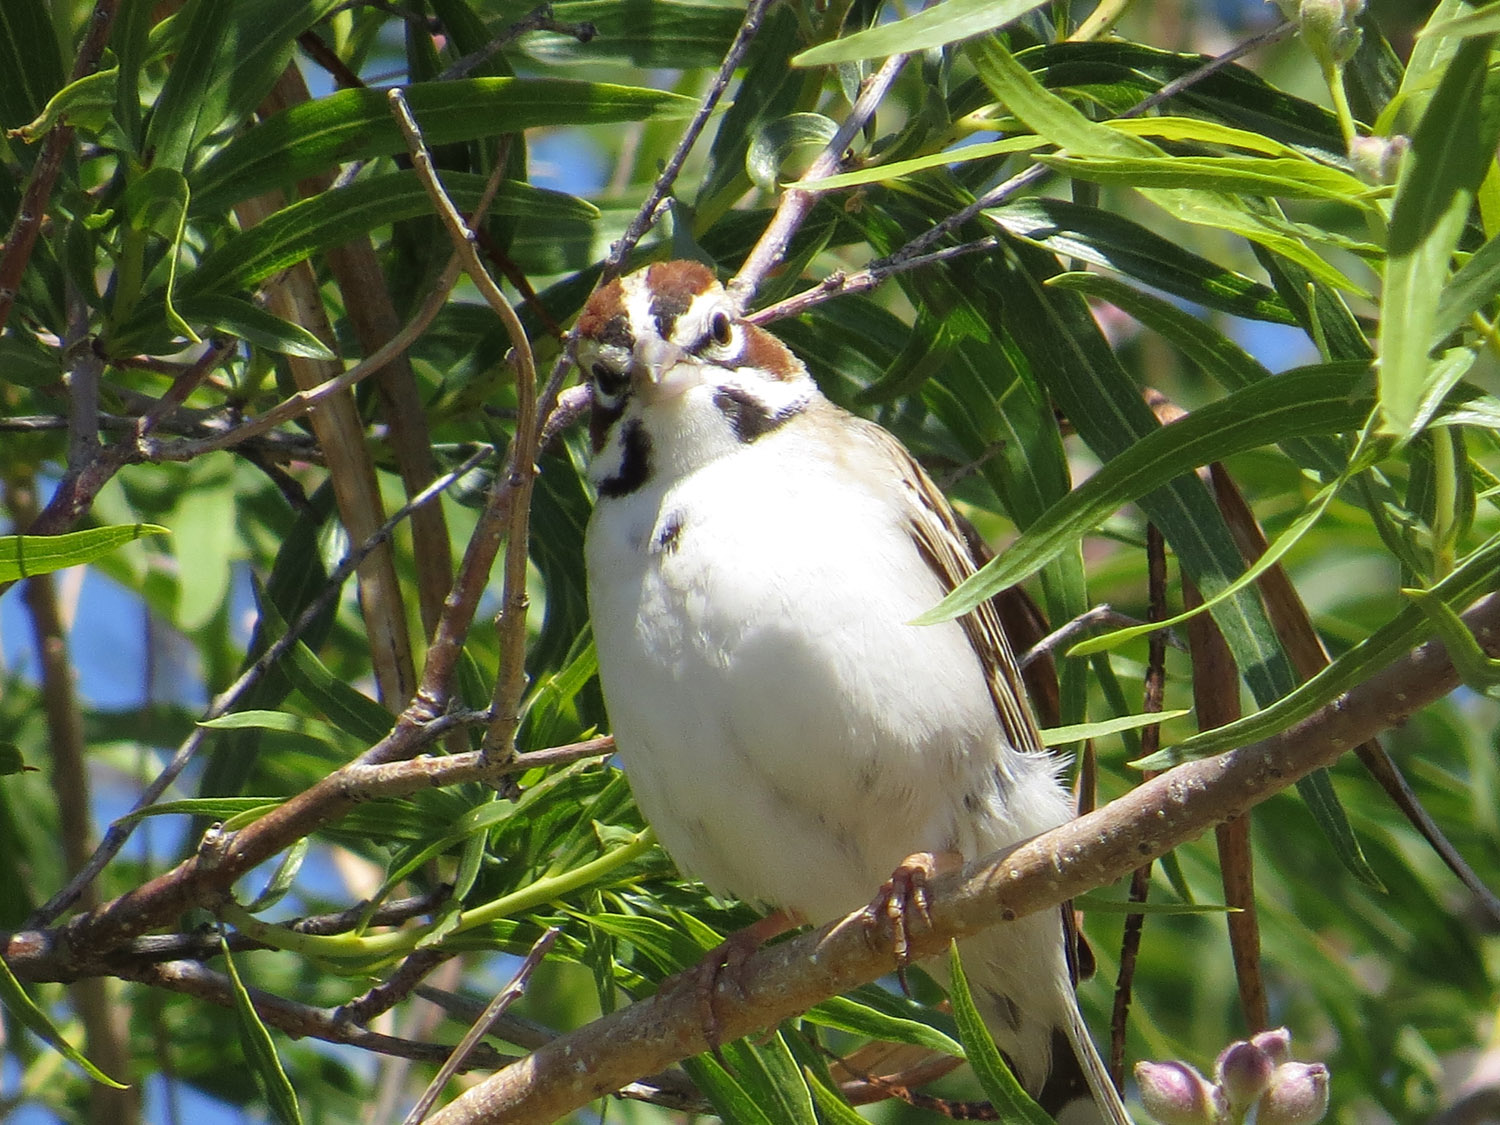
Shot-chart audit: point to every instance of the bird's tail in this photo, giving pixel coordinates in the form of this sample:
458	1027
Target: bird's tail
1078	1089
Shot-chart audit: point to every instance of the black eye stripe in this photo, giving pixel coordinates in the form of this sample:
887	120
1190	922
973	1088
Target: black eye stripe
609	381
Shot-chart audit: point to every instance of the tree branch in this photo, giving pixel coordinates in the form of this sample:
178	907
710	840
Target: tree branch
783	980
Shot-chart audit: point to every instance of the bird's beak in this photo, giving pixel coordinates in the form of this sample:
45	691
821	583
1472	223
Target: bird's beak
663	370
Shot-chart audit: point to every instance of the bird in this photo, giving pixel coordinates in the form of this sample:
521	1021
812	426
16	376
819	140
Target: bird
754	560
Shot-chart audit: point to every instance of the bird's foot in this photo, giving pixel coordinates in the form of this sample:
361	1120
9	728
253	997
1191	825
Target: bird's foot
902	901
725	963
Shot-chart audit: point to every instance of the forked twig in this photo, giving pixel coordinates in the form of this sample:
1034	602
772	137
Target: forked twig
493	1011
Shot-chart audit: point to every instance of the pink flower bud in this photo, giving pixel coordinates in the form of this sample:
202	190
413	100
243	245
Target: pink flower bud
1298	1095
1244	1073
1277	1043
1176	1094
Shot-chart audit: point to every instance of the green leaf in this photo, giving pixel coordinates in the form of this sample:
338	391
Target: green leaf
11	760
872	1017
1314	400
332	217
259	1050
85	104
357	125
326	733
251	323
31	69
1285	177
662	34
24	555
935	27
1451	151
1050	116
15	1001
1096	903
346	707
1472	288
1011	1102
1106	239
156	201
1476	575
1479	670
1061	736
776	141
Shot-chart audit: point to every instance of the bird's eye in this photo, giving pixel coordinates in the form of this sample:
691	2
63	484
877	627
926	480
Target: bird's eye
609	381
721	328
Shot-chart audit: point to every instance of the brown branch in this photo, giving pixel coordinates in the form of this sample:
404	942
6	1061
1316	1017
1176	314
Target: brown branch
785	979
24	229
205	878
297	1020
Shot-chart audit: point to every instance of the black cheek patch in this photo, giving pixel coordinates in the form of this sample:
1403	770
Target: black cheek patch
747	415
635	462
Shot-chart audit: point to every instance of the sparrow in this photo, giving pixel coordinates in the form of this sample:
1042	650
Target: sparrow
755	557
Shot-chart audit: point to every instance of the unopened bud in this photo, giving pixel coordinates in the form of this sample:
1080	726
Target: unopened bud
1244	1072
1377	160
1298	1095
1277	1043
1330	28
1176	1094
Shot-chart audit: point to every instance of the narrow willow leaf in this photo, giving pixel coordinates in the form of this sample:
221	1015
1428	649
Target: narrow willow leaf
935	27
832	1108
229	315
1000	1085
346	707
1294	404
259	1050
1283	177
210	808
25	1011
1273	554
1053	118
24	555
1451	151
1479	670
735	1104
1061	736
357	125
1472	288
885	173
1475	576
283	878
849	1013
185	94
1105	239
31	68
157	200
1209	349
85	104
673	35
322	732
776	141
332	217
1093	903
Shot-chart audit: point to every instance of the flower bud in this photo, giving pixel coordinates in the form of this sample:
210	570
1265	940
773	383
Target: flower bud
1176	1094
1377	160
1277	1043
1298	1095
1330	28
1244	1073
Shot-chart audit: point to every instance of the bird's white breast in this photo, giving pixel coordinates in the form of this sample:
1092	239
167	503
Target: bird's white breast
787	732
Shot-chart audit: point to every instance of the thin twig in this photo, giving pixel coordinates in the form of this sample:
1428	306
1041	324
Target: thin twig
915	254
120	831
799	199
538	19
510	684
481	1027
619	252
